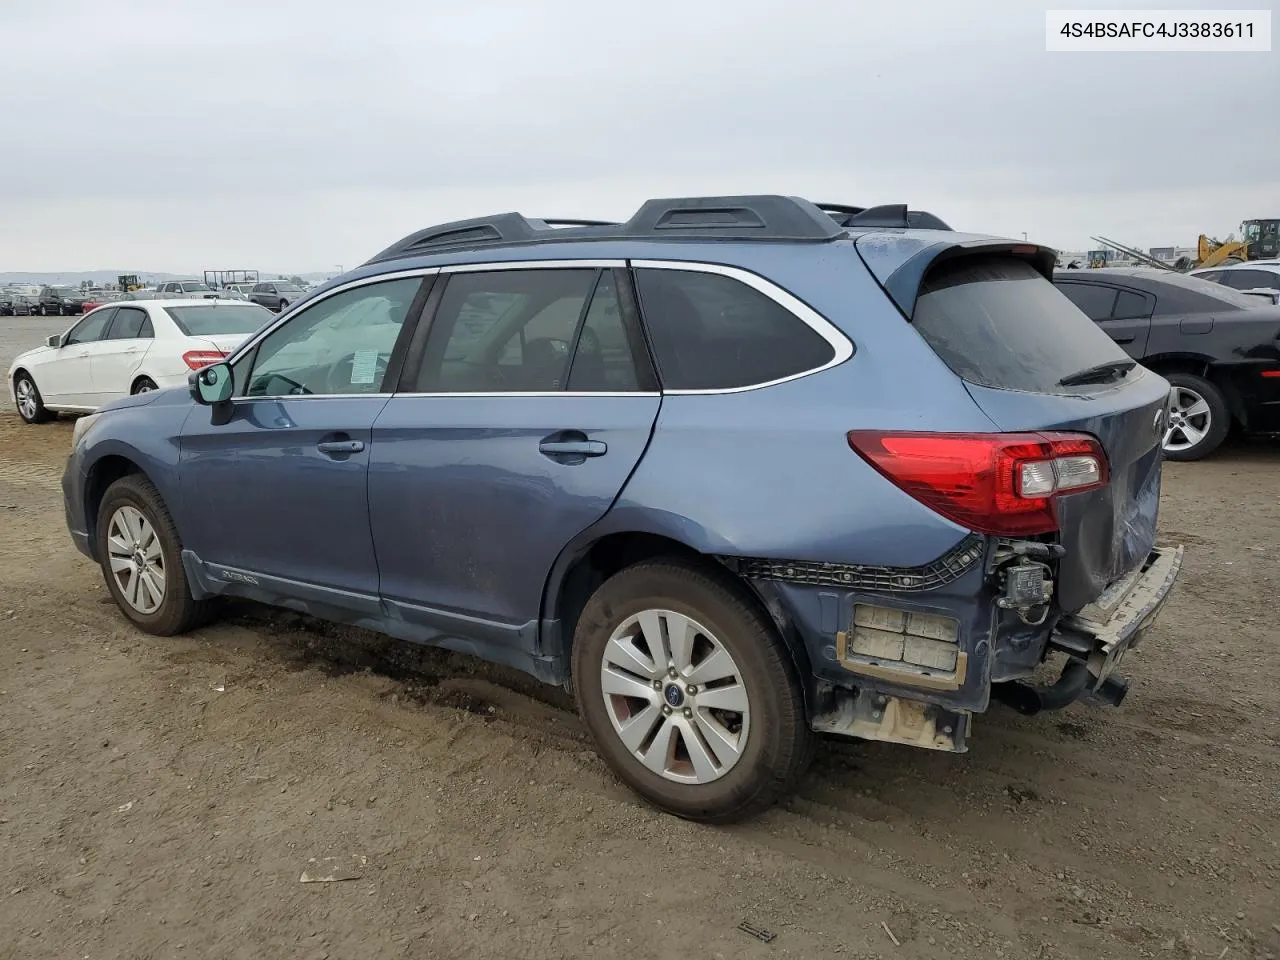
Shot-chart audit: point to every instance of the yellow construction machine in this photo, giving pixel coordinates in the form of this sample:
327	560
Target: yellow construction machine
1261	241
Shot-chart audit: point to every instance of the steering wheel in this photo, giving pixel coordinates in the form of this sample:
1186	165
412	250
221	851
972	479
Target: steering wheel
337	378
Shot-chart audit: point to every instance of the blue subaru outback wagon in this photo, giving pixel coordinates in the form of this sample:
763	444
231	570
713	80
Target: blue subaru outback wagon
740	469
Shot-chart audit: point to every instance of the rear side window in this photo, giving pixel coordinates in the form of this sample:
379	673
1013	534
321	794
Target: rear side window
712	332
1132	306
131	323
997	322
1094	300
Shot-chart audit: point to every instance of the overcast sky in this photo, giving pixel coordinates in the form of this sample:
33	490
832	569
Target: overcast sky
178	136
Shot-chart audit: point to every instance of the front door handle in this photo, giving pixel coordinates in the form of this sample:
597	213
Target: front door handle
340	446
573	448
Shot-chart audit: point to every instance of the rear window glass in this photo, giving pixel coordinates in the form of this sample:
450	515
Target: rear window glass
997	322
204	321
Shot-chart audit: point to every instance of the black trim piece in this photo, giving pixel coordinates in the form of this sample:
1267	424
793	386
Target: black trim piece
637	336
946	569
577	329
395	362
417	344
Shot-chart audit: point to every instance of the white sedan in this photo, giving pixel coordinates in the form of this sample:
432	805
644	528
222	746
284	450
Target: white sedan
128	347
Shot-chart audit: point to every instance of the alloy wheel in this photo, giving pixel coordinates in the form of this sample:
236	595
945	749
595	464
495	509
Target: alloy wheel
137	562
1189	419
675	696
27	403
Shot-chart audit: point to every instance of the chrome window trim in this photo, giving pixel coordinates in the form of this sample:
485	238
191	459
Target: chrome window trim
527	394
440	396
313	396
841	345
500	265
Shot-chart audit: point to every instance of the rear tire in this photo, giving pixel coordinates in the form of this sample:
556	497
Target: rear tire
715	726
1199	419
141	558
284	305
144	385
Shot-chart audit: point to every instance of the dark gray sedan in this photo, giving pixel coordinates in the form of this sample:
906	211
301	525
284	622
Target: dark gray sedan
1218	348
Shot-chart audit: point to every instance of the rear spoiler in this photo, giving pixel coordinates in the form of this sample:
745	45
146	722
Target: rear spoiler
900	262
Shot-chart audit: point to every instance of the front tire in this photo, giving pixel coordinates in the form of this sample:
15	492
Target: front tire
689	692
1198	418
31	406
141	558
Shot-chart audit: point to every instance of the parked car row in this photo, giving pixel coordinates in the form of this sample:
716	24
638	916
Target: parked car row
65	300
48	301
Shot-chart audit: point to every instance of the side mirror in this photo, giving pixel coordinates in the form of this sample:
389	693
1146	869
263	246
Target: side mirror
54	341
213	384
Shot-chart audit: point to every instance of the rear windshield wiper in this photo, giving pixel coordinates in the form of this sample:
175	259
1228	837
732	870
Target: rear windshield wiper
1101	373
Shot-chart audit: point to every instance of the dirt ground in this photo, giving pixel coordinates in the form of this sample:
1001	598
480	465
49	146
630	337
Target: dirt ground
162	798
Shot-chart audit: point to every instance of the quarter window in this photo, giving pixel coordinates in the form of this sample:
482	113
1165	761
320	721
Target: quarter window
712	332
341	345
1094	300
1131	306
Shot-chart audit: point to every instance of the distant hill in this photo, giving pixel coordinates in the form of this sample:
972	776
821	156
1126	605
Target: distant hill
75	277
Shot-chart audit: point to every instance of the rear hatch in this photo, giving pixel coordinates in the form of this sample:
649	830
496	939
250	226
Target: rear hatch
1033	362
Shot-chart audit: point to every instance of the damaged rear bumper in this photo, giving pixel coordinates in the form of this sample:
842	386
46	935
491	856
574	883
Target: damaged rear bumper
1115	623
888	692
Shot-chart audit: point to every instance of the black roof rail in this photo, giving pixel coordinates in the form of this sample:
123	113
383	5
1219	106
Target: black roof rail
567	222
887	215
759	217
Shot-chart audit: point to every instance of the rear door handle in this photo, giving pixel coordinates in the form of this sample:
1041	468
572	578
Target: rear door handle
573	448
340	446
1124	339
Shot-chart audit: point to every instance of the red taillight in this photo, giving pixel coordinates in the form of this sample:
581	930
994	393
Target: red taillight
1000	483
1271	373
195	359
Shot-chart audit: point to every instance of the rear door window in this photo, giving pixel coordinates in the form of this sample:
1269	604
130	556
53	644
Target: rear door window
712	332
997	322
529	331
131	323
